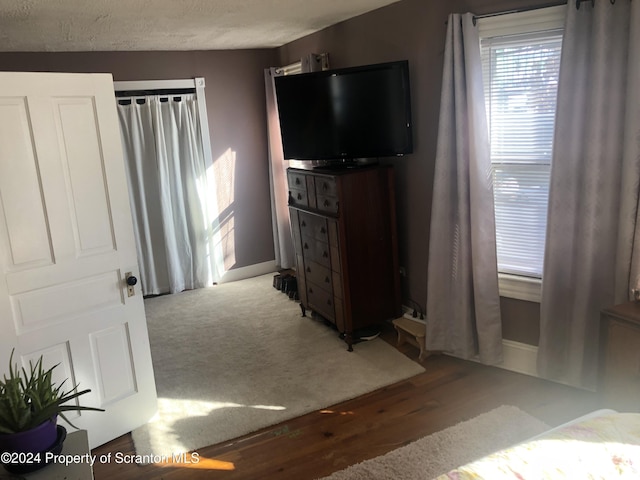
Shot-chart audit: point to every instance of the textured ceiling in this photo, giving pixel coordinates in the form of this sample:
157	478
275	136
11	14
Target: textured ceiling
99	25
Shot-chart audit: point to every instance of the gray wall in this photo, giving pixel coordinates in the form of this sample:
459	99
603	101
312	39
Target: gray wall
236	112
414	30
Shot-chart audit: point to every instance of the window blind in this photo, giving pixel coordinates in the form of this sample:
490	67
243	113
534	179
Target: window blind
521	81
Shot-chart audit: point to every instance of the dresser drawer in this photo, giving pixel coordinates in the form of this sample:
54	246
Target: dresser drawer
326	186
297	180
316	251
314	226
298	198
321	301
319	275
327	203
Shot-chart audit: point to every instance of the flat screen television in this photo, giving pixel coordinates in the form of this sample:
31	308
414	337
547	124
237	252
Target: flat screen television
349	113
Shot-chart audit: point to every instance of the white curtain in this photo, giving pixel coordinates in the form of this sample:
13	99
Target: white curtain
172	201
463	304
283	242
593	195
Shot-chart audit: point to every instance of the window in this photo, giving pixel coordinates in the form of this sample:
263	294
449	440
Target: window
521	63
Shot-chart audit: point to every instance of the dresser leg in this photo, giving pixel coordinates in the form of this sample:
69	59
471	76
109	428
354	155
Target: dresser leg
349	340
304	310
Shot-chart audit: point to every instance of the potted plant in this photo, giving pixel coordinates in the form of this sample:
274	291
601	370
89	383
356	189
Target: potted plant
30	403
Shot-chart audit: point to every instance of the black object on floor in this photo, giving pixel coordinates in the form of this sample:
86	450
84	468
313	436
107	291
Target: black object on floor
286	283
366	334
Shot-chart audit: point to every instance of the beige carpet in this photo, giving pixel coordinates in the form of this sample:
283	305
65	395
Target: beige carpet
237	357
445	450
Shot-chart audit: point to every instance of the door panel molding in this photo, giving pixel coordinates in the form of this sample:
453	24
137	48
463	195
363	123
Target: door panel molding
23	221
55	304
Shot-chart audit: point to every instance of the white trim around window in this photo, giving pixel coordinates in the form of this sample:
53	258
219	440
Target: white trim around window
519	287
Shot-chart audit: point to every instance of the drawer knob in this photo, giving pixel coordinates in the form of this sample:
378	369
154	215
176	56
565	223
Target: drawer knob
325	254
308	269
326	280
326	203
322	230
310	290
303	224
306	246
329	302
297	181
325	186
299	197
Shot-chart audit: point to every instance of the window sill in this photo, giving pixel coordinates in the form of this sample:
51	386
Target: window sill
520	288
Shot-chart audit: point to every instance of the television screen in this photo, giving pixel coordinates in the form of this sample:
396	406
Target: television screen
350	113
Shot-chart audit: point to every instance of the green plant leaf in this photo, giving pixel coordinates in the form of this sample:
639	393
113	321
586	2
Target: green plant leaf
29	398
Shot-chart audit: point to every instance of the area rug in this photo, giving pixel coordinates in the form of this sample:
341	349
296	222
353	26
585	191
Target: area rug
445	450
236	357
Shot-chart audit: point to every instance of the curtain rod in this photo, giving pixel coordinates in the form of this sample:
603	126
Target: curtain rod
534	7
523	9
158	91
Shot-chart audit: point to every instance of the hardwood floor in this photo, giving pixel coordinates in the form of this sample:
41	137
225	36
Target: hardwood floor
319	443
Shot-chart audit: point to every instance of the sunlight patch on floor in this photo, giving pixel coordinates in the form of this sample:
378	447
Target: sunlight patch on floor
172	411
196	461
333	412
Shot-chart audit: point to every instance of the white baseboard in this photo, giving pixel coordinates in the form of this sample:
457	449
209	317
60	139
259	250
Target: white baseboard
249	271
519	357
516	357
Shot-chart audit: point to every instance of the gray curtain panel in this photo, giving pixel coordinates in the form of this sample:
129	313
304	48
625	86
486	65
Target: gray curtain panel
463	304
282	240
594	187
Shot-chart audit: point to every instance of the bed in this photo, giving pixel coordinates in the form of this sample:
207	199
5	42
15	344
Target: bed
603	444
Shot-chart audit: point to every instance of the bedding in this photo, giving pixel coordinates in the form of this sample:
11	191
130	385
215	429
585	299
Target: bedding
604	444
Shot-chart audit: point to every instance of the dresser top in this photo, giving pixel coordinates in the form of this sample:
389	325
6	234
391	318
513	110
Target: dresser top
336	170
629	311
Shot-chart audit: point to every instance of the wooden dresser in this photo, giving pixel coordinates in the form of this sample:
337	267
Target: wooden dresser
344	229
620	357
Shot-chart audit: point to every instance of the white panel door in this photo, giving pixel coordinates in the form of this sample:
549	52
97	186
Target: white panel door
66	245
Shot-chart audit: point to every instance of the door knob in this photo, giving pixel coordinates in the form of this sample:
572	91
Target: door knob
130	280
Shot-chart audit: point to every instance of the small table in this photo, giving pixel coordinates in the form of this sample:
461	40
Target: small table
76	443
620	357
413	332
